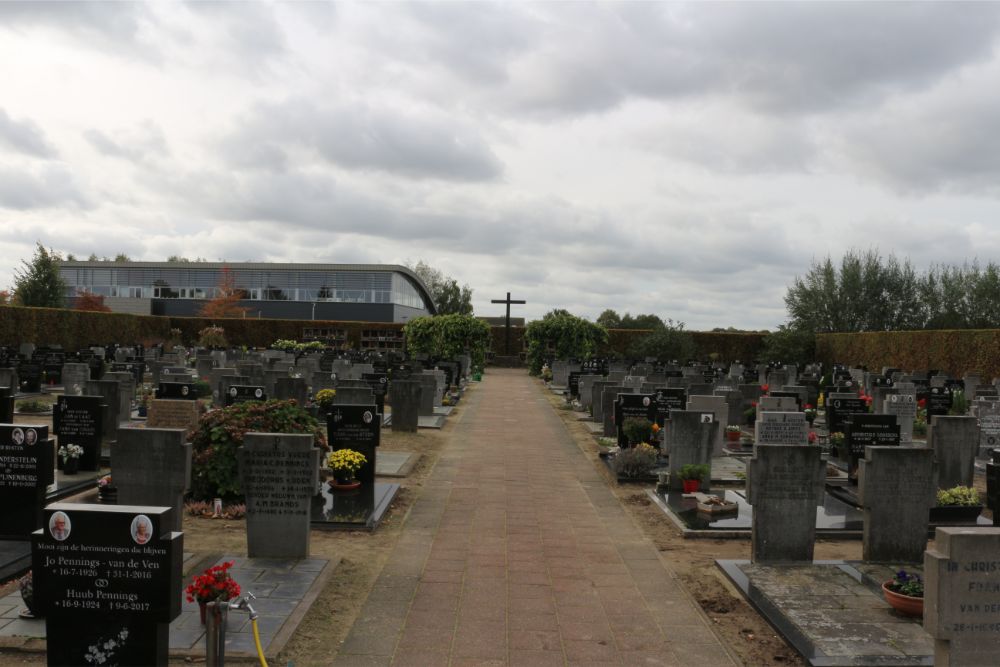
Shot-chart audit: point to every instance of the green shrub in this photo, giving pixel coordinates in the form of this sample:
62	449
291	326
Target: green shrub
635	462
694	471
33	406
637	430
220	433
959	495
959	404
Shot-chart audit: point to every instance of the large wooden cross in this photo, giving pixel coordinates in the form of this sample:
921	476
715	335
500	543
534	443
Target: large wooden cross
507	301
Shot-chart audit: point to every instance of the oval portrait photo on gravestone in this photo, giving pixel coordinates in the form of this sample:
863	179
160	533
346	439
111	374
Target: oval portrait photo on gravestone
367	417
258	393
142	529
17	436
59	526
30	436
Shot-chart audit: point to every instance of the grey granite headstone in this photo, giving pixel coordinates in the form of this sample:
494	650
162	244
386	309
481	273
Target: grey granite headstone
279	476
690	439
75	378
597	396
904	406
291	388
215	382
784	485
962	596
354	395
719	408
110	391
988	414
405	397
152	466
608	398
734	399
585	388
781	428
955	441
897	491
777	404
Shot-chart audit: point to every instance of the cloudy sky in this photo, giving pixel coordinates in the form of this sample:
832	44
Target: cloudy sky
684	160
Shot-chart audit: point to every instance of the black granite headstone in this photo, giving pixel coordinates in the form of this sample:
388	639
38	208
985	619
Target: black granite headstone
642	406
26	468
177	391
574	384
670	398
30	376
243	393
379	382
7	405
356	427
993	485
78	420
938	401
839	409
108	579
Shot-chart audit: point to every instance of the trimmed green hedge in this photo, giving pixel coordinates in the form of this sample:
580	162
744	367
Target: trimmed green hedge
73	329
727	345
954	351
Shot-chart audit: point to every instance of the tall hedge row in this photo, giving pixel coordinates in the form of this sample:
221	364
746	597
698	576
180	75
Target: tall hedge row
729	346
73	329
954	351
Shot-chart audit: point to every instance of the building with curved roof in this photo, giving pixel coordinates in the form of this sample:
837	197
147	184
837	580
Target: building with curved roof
348	292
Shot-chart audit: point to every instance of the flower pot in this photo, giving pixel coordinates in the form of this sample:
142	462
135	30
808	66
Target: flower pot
691	485
143	410
71	466
340	484
955	513
733	436
202	608
904	604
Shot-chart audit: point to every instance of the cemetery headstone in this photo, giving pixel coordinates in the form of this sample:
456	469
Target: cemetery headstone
691	440
955	441
109	391
152	466
869	431
243	393
840	407
108	579
962	595
993	485
279	477
629	406
989	427
897	492
26	454
78	420
75	378
903	406
784	485
781	428
7	404
405	398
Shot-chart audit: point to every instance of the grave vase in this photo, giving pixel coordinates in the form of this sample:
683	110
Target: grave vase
691	485
71	466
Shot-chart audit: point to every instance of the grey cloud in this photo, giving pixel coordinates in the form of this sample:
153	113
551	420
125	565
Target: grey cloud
25	137
136	145
52	186
105	26
776	57
945	139
251	31
415	144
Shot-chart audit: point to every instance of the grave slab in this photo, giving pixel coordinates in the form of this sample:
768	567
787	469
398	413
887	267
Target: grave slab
831	613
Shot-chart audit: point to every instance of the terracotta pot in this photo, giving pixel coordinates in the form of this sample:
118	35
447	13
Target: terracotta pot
904	604
342	485
733	436
691	485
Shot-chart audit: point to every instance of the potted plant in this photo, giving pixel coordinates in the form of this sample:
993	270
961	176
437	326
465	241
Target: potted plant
733	433
837	440
606	446
344	464
107	492
145	396
691	475
70	455
810	413
905	593
214	584
324	399
637	429
957	504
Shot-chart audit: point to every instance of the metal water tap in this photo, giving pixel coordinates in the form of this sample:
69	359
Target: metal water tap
244	603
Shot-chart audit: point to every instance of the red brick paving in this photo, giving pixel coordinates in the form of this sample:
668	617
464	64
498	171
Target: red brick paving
517	553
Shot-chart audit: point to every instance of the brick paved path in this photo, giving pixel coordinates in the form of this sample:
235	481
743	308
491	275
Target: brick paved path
517	553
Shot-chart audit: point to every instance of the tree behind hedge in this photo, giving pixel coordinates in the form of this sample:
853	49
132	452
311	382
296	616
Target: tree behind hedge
39	282
214	472
563	335
665	343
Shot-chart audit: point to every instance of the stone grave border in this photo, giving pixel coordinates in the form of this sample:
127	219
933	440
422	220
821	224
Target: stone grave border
862	573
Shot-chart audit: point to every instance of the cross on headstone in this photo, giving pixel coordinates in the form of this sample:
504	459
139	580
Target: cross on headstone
508	301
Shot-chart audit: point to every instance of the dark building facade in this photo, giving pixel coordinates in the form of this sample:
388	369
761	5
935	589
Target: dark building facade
357	292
